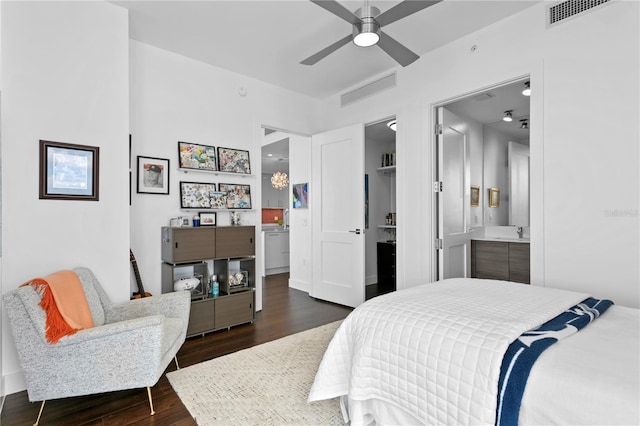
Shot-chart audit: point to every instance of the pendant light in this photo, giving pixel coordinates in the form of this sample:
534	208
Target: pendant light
527	89
279	180
508	116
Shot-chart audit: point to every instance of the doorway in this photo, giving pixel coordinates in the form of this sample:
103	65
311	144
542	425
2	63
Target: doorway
486	196
275	202
380	207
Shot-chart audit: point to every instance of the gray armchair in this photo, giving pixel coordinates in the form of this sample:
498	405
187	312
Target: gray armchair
130	345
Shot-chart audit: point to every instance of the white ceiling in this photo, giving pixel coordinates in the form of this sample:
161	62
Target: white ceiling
489	107
266	39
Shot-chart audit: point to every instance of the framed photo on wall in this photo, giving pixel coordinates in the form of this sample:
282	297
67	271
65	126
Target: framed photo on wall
197	157
475	196
153	175
69	171
197	195
238	196
300	195
494	197
234	161
207	219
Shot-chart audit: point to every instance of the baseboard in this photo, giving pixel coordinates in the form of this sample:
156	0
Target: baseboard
2	395
13	383
300	285
371	279
274	271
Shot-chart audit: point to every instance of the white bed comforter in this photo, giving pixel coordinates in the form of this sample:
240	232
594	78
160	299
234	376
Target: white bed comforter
434	351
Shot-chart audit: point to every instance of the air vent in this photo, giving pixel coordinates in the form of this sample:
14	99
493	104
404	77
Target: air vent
484	97
567	9
368	89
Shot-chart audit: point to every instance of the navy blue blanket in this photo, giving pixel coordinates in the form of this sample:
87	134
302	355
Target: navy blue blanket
525	350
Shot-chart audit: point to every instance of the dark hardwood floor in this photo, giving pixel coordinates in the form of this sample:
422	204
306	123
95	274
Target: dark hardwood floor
285	311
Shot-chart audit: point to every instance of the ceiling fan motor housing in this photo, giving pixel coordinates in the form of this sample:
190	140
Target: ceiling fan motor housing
367	31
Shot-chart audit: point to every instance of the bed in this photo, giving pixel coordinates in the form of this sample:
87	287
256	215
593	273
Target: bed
433	354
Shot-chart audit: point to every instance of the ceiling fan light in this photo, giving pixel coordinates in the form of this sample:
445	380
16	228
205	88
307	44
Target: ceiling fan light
366	33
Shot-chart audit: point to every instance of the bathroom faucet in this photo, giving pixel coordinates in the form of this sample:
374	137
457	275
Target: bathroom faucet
520	230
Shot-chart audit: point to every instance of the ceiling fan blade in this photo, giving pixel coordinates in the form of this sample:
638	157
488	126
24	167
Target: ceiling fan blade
402	10
326	51
338	10
397	51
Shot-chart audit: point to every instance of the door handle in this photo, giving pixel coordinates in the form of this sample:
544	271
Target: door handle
356	231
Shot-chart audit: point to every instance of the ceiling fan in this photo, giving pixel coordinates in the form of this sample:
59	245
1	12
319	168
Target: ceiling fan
366	23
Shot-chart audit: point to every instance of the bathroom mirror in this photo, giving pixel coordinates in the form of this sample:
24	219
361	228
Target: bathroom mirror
499	153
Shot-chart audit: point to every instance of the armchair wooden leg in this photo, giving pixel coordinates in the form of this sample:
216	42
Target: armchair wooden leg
39	413
150	401
176	360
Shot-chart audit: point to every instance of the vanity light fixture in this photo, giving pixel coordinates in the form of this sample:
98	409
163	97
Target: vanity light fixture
527	89
524	124
508	116
392	124
279	180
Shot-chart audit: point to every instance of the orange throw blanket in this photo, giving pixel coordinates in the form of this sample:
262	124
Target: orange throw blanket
65	304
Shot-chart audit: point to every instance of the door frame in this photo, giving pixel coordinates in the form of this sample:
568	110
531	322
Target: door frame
536	172
259	125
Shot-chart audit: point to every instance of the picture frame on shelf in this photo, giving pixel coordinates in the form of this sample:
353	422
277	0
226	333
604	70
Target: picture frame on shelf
238	196
196	195
219	200
197	157
207	219
475	196
69	171
153	175
234	161
494	197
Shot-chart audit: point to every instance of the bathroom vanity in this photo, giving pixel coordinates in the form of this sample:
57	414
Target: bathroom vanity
501	259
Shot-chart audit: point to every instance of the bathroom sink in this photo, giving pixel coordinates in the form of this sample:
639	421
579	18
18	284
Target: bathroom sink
511	239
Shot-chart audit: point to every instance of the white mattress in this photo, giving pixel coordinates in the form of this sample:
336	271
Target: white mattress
388	370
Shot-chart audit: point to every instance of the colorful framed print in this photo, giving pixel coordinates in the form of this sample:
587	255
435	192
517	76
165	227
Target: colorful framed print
238	196
69	171
207	219
234	161
475	196
153	175
300	194
196	195
197	157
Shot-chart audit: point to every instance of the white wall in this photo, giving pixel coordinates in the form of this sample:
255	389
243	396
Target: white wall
173	99
591	243
64	78
300	274
495	176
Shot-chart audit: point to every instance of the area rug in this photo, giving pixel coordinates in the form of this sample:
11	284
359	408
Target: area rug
267	384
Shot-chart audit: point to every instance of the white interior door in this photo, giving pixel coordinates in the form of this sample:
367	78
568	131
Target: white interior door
454	259
338	215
